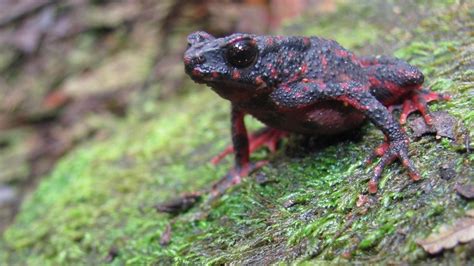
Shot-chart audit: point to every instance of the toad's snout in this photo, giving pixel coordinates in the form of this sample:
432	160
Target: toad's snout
192	63
193	60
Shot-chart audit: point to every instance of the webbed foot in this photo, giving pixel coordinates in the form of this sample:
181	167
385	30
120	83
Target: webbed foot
417	101
389	151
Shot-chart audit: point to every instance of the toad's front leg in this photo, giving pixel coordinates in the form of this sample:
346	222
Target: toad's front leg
396	141
358	96
241	149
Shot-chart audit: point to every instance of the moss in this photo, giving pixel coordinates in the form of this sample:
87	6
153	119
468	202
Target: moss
336	26
101	196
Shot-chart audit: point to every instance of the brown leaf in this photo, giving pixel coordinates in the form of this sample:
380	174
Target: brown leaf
461	232
444	125
178	205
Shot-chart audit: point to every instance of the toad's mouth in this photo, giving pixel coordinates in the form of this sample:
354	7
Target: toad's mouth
201	76
223	84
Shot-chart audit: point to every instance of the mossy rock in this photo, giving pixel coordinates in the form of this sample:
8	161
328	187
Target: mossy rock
97	206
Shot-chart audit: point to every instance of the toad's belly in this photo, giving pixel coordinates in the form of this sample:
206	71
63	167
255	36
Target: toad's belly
323	118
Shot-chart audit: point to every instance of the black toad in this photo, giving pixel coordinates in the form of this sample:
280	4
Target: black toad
306	85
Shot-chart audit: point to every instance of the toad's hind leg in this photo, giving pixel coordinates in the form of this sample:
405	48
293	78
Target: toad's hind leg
417	101
396	83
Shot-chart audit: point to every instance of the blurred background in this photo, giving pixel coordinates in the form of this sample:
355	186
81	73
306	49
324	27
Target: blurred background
70	68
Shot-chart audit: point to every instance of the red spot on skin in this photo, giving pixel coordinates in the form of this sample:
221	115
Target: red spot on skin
301	73
215	74
367	62
236	75
374	81
286	88
294	77
274	73
269	41
341	53
306	41
305	80
196	73
354	58
304	68
324	62
258	80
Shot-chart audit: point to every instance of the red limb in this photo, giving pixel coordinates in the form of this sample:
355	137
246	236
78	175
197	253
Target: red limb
417	101
242	146
268	137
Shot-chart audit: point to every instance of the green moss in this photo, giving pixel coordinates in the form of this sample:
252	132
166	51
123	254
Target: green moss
339	26
374	237
101	196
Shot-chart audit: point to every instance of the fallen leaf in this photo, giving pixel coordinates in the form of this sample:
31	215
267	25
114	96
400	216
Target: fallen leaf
444	125
178	205
461	232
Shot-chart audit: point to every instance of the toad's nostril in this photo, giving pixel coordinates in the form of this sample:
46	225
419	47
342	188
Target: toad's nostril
196	60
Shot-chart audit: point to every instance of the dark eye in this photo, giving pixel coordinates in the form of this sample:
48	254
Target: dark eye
242	53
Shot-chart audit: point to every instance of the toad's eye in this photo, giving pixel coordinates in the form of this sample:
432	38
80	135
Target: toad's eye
242	53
